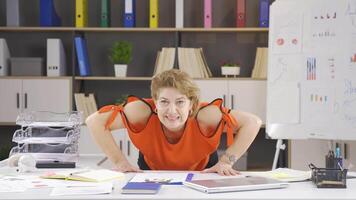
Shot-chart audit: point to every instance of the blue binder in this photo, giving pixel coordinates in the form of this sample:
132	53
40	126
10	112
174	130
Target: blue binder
48	14
82	56
264	13
129	15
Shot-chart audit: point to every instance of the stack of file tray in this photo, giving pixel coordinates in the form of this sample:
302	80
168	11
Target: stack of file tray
48	136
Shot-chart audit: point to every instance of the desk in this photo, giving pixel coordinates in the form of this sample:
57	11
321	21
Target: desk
300	190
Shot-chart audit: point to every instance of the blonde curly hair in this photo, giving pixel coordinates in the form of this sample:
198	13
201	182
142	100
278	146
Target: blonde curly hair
179	80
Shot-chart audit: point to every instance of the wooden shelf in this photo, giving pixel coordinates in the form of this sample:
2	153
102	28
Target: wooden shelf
7	123
111	78
138	29
35	77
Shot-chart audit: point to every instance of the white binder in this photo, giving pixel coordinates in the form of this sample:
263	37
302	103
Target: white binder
12	13
4	58
179	13
56	60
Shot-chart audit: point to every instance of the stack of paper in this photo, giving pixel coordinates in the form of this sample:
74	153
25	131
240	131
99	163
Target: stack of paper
91	175
282	174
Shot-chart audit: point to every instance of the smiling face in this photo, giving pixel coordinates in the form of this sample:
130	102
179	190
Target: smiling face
173	108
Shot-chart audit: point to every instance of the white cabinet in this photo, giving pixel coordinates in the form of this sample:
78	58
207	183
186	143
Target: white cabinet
88	147
303	152
126	146
11	101
246	95
34	95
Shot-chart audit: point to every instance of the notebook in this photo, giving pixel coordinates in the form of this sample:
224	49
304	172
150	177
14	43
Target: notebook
91	175
235	184
140	188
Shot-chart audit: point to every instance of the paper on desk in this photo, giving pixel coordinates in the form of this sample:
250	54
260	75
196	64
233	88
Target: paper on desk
12	186
163	177
283	174
90	189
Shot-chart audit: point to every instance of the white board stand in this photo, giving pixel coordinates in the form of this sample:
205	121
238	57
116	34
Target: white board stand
279	146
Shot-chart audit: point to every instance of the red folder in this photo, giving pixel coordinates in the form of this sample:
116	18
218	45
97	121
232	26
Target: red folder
241	13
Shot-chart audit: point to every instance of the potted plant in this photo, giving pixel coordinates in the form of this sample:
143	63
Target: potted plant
120	56
230	69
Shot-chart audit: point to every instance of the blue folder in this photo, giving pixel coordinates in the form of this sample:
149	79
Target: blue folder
129	14
48	14
82	56
264	13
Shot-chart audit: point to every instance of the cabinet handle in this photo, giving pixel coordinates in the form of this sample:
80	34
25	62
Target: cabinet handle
128	148
25	100
224	100
120	145
18	100
232	101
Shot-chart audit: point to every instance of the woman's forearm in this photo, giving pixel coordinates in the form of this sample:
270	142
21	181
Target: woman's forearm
105	140
247	132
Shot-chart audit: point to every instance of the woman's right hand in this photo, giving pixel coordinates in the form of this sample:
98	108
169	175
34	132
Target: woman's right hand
125	166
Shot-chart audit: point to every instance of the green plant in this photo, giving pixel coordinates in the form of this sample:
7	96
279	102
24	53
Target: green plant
121	52
230	64
122	99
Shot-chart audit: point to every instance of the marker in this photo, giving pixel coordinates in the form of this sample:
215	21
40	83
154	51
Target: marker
189	177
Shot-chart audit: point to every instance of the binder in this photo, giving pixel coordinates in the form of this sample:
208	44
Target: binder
56	59
264	13
179	13
12	13
207	14
4	58
105	13
129	15
81	13
154	17
82	56
241	13
48	14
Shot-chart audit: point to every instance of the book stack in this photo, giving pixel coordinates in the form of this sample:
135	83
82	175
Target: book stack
190	60
51	138
261	63
85	104
164	60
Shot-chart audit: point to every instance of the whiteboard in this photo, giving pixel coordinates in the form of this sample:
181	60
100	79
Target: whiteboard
311	84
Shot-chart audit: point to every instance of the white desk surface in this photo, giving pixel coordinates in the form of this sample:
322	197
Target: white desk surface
299	190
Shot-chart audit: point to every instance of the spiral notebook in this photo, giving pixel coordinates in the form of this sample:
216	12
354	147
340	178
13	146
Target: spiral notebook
234	184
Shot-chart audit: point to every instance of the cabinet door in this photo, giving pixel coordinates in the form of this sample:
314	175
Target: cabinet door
126	146
249	96
131	151
213	89
10	106
47	95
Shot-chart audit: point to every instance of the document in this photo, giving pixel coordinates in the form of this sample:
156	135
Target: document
99	188
282	174
90	175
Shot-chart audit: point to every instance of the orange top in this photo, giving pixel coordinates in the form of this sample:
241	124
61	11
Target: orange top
191	152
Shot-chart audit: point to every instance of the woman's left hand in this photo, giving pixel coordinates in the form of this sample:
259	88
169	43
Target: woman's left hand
222	168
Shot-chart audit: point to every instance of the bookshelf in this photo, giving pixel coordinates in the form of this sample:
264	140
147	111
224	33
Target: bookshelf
222	42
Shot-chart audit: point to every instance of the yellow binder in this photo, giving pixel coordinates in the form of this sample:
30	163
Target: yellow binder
81	13
154	13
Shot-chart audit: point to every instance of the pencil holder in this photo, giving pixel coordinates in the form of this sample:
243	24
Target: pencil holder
333	163
328	177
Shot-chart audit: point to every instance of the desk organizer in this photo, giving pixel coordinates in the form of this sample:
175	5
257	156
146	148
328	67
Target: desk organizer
328	177
47	136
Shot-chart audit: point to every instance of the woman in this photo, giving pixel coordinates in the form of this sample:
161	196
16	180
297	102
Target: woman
173	131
